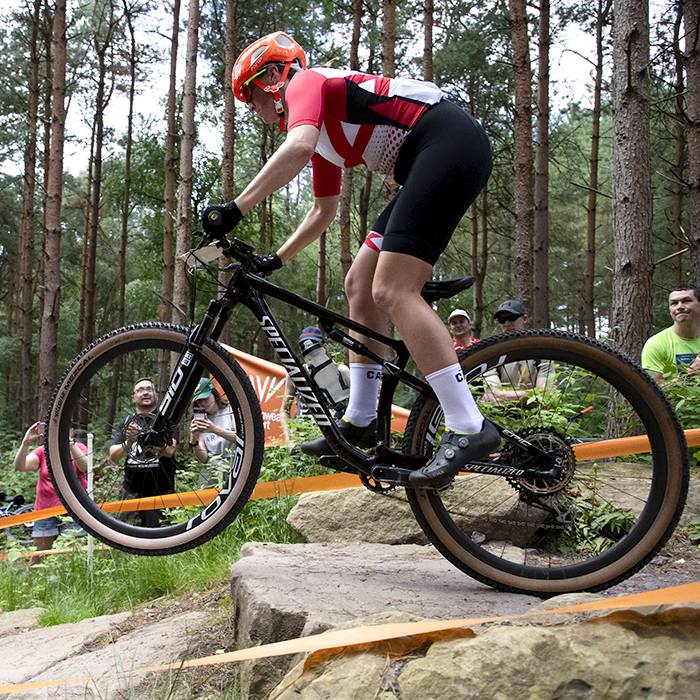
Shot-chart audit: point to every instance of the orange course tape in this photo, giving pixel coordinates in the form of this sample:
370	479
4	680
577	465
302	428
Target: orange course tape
602	449
689	593
265	489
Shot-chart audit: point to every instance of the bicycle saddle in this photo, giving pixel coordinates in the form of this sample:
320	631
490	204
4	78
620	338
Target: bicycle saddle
444	289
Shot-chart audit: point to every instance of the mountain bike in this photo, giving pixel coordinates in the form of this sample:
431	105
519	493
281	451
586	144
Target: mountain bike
16	534
588	484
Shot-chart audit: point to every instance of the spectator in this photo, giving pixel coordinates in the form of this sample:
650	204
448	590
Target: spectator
673	352
46	530
213	435
147	472
291	394
511	381
461	328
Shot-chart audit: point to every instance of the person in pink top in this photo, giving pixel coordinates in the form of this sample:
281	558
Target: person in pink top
46	530
441	157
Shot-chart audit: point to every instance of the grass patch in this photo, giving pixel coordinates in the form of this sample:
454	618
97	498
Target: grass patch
69	592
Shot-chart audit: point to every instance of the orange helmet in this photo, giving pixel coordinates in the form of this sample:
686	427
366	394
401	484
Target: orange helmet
273	48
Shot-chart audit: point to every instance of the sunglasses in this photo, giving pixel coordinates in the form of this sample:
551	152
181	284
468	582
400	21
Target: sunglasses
246	89
510	317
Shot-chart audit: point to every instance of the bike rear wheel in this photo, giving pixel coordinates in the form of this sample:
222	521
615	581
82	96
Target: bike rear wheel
616	501
174	510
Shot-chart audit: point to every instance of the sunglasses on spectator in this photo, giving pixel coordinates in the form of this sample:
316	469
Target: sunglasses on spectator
510	317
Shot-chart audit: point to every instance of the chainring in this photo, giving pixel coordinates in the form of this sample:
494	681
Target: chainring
554	444
377	486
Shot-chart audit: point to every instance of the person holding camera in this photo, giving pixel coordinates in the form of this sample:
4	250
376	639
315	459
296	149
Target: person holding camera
212	431
147	471
46	530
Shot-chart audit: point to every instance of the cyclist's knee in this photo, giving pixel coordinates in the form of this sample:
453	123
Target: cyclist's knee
358	288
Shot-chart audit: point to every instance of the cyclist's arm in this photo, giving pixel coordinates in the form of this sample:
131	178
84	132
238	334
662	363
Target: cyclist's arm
286	163
318	219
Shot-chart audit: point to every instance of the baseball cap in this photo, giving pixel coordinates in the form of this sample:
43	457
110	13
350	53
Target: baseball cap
204	389
510	306
313	334
460	312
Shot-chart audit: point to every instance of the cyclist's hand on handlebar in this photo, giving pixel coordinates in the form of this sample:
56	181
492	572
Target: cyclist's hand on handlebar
267	263
221	218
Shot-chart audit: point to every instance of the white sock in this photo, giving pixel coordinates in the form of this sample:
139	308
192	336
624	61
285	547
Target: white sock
462	415
364	388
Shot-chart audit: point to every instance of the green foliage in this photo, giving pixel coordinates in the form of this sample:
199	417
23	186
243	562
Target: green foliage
693	530
598	525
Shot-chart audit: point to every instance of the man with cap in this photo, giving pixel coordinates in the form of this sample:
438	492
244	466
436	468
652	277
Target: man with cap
461	328
511	381
212	432
314	334
511	315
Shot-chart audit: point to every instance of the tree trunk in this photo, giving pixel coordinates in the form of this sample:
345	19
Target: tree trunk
679	159
165	310
184	207
540	306
632	200
691	20
344	208
523	187
321	273
428	9
344	220
227	191
48	353
602	18
27	228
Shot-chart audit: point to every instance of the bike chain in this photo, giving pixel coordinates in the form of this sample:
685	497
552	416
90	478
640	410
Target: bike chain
526	495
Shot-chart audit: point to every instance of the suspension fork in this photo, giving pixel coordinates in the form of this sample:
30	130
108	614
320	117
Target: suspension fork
187	373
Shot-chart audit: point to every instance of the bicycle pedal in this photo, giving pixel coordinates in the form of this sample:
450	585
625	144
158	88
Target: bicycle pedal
337	464
391	475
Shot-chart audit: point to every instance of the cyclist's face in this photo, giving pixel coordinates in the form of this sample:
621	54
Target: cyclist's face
684	306
260	102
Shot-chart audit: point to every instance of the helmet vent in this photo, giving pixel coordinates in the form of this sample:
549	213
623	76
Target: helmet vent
284	41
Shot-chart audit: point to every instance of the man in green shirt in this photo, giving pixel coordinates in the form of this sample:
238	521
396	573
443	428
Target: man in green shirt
674	351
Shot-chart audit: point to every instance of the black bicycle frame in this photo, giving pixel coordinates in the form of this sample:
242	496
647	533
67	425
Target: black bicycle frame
250	290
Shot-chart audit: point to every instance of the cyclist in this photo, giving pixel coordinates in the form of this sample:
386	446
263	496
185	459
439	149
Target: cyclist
440	156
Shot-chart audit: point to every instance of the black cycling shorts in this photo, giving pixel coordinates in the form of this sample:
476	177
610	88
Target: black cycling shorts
442	166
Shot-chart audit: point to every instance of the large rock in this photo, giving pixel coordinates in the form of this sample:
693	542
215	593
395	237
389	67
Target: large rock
286	591
360	515
626	654
100	648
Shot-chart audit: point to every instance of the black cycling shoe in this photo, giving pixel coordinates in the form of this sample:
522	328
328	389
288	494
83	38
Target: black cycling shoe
362	437
455	451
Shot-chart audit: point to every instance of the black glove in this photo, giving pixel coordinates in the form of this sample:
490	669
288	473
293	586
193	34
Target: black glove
221	218
267	263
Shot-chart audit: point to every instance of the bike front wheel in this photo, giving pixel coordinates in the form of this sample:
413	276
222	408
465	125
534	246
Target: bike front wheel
151	506
621	453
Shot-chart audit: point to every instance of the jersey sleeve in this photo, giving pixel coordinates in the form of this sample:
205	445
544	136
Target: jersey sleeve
326	176
305	97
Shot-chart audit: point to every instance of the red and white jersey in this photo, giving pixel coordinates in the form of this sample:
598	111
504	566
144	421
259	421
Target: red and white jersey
363	119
